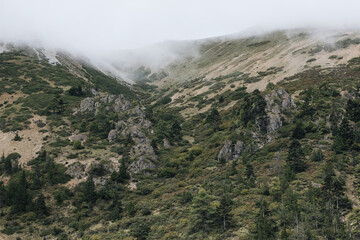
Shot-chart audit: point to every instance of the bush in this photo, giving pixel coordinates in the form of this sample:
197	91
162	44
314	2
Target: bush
77	145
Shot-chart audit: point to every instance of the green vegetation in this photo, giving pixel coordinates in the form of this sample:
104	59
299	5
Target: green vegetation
295	180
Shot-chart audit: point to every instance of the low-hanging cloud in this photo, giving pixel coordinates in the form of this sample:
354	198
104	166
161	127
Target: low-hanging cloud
104	29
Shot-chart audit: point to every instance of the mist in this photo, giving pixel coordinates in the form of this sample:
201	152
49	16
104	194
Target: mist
109	29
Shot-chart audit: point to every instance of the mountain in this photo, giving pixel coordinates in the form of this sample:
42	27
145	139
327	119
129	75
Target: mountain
235	137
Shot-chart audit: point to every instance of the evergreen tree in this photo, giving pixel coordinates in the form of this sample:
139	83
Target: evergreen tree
265	226
298	132
89	194
224	210
346	135
39	206
353	110
123	174
295	157
116	208
214	119
176	130
18	194
8	165
203	211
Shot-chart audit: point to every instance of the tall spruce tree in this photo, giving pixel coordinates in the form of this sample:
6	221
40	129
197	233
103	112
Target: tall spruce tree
295	159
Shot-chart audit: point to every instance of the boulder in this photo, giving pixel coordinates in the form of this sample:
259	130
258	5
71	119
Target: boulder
226	152
141	165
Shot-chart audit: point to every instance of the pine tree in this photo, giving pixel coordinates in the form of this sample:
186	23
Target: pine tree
116	208
203	211
123	175
346	134
224	210
89	194
265	226
214	119
298	132
18	192
295	157
39	206
8	165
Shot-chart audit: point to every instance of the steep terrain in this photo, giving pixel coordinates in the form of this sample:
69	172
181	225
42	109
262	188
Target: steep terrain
250	138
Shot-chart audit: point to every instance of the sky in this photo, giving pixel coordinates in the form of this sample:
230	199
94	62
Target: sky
100	26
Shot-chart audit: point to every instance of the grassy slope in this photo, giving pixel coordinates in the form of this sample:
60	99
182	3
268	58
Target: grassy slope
188	167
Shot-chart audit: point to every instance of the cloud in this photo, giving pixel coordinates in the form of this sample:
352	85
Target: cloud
99	28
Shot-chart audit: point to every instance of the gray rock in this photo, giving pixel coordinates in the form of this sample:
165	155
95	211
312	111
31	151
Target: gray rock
87	105
238	149
141	165
276	102
76	170
112	135
274	122
226	152
79	137
166	144
121	104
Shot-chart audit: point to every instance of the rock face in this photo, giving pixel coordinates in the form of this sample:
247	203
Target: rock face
79	137
231	151
166	143
140	166
134	125
112	103
277	102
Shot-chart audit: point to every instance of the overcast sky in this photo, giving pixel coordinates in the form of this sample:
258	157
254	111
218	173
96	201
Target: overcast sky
103	25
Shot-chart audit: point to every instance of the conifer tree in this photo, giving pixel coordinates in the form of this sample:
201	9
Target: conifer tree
89	193
295	157
39	206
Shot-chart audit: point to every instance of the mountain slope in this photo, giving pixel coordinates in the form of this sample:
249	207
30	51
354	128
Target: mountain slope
205	157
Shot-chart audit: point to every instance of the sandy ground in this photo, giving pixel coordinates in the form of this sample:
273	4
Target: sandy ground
31	143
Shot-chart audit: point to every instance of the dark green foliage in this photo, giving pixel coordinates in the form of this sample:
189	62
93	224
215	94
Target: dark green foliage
131	209
109	84
186	197
89	194
56	105
295	158
17	137
77	145
11	163
116	208
223	211
214	119
317	156
18	195
62	194
353	110
76	91
140	229
203	212
123	174
298	132
265	226
344	137
39	206
253	110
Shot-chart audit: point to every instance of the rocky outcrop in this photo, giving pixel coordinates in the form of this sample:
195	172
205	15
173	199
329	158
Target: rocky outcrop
277	102
111	102
79	137
166	144
140	166
134	125
231	151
